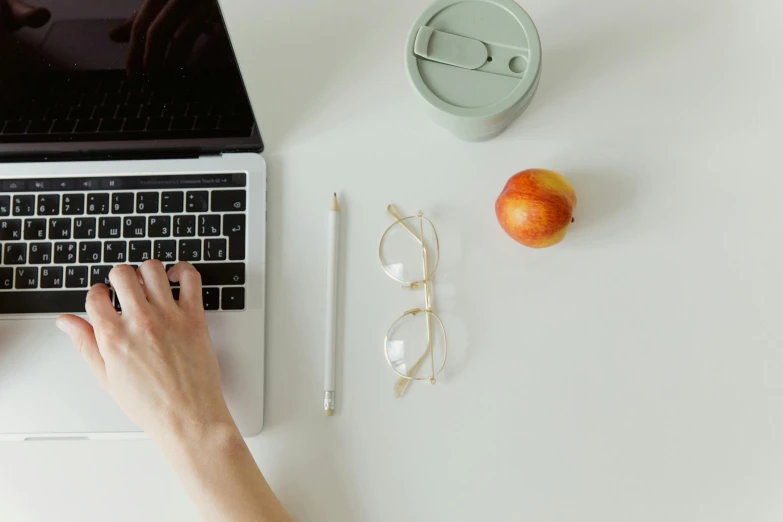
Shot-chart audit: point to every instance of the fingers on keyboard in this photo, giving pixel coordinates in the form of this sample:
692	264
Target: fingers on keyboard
59	241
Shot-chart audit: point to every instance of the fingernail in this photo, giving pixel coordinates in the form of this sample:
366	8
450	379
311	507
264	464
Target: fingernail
62	325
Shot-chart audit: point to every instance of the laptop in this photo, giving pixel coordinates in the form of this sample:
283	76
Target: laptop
107	161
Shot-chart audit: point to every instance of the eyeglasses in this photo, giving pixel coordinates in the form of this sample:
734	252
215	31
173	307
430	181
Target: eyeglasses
415	345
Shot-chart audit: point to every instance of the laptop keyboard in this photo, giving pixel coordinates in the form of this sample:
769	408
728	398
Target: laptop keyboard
60	236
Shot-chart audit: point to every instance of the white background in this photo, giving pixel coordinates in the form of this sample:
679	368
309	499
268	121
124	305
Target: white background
632	373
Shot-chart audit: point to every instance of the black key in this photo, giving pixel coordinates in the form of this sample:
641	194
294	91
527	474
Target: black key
15	254
73	204
5	205
221	274
63	126
159	226
166	250
26	279
52	277
122	203
84	228
40	253
209	226
109	227
234	229
6	279
147	202
153	109
115	251
76	277
175	109
135	125
211	298
59	112
34	229
159	124
90	252
15	127
110	126
215	249
197	201
50	302
88	125
116	98
142	98
174	293
172	202
60	228
107	112
83	113
233	299
49	205
98	204
183	123
190	250
40	126
184	226
229	200
24	205
139	251
65	253
100	274
134	227
129	111
10	229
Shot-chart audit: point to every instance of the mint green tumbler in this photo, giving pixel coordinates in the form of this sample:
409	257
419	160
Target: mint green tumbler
475	64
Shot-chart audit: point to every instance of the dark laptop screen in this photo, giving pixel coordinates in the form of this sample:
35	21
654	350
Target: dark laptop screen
102	71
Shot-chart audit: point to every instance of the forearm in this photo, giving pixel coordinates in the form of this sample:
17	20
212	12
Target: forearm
222	477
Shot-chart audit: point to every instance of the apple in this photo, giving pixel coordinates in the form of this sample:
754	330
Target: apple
536	207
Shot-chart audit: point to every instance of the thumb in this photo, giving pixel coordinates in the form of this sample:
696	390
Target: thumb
29	16
83	338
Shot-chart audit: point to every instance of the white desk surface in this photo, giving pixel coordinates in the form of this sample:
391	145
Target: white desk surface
633	373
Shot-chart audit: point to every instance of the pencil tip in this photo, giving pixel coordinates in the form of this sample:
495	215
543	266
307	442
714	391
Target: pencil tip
335	204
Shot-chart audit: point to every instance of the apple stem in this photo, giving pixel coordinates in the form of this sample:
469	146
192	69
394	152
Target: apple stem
573	219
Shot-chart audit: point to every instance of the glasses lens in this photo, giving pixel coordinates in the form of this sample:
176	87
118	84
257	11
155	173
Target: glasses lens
414	353
401	250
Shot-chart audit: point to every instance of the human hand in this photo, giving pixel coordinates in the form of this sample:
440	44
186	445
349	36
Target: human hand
156	359
163	33
15	14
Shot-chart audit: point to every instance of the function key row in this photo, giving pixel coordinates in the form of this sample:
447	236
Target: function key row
136	182
119	203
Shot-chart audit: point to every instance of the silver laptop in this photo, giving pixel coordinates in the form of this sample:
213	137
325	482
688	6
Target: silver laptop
99	168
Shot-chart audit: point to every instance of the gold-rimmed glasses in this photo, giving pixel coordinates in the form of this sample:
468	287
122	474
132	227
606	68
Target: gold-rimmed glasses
415	345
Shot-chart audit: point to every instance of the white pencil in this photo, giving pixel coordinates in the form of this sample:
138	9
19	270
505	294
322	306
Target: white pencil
332	264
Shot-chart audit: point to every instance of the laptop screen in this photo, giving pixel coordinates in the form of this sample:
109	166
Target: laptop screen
95	71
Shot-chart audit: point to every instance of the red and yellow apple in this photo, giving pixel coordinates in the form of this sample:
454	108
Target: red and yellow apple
536	207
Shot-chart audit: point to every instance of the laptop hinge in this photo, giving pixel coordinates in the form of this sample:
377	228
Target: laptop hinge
105	156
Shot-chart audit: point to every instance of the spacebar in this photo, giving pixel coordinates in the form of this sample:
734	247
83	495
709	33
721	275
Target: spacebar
45	302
